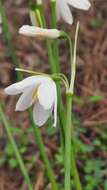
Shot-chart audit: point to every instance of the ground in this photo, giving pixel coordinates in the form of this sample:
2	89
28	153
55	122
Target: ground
90	103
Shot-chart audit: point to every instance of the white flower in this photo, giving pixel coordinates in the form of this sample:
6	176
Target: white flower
63	9
40	91
35	31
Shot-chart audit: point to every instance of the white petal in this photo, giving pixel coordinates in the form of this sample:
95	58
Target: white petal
40	115
34	31
58	9
63	11
25	100
80	4
20	87
55	110
12	89
46	94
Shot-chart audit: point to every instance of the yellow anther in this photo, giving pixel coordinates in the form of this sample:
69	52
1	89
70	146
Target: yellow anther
34	94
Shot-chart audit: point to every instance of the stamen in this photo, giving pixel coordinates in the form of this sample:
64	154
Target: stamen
34	95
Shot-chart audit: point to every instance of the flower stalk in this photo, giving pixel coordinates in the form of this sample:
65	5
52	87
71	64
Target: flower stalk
53	59
67	182
71	90
70	159
69	125
55	44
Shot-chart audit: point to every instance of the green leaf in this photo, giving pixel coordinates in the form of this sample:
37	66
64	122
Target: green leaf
97	142
96	98
105	185
23	149
9	150
13	163
81	147
59	156
16	130
96	24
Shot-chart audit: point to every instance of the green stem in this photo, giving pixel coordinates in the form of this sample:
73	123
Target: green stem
43	153
55	49
17	154
55	45
53	13
67	182
51	57
54	66
42	21
69	150
74	168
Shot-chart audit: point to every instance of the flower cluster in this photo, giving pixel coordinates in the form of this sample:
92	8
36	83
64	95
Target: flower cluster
40	90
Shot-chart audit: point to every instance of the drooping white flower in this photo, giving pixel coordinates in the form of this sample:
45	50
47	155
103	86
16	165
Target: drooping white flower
63	9
34	31
39	91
